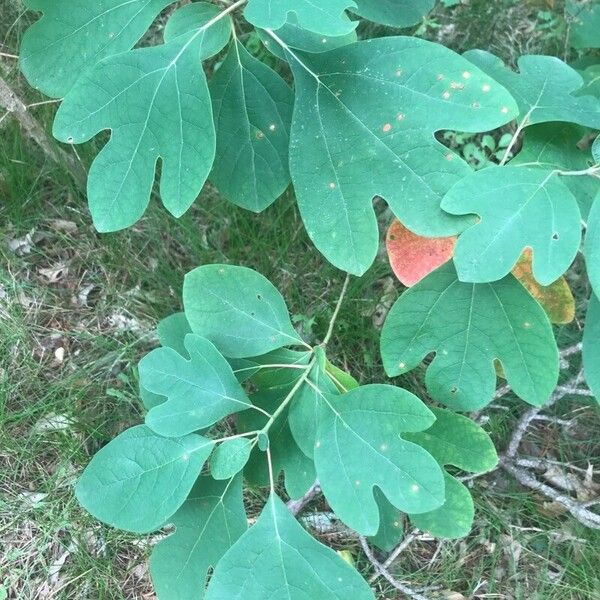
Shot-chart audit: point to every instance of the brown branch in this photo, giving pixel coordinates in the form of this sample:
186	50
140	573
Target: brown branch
297	506
10	101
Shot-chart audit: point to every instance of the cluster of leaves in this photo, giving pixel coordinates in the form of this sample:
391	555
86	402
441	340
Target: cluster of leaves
234	355
234	392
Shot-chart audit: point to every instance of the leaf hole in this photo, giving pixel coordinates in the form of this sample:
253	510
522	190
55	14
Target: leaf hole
258	297
555	236
453	390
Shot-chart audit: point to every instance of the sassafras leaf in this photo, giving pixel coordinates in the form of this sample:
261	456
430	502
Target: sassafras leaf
537	211
230	457
210	521
586	23
591	346
276	559
469	326
137	481
591	248
359	446
394	13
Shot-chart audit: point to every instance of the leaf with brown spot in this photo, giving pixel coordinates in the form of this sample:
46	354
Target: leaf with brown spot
412	256
556	299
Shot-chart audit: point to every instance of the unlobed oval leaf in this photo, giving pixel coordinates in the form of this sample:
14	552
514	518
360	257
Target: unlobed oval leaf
200	391
359	447
230	457
537	211
237	309
277	558
591	248
139	479
394	13
591	346
469	326
210	521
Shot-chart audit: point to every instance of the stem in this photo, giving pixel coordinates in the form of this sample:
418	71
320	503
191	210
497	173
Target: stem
270	464
515	137
336	311
289	397
282	366
237	435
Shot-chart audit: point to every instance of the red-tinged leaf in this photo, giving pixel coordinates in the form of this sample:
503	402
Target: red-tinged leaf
413	257
556	299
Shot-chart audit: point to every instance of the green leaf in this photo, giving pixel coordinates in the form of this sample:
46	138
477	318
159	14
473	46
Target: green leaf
359	447
200	391
469	326
230	457
545	88
591	347
277	558
326	17
263	376
596	150
172	331
586	23
391	527
138	480
252	106
537	211
591	248
555	146
458	441
299	38
68	40
156	103
286	456
394	13
364	124
343	380
307	409
237	309
210	521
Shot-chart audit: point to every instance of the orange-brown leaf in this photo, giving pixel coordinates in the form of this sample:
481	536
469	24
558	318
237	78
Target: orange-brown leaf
413	257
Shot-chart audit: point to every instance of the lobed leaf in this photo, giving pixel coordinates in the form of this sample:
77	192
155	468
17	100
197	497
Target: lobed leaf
237	309
67	41
252	107
537	211
277	558
545	88
469	326
200	391
139	479
210	521
412	256
359	447
364	124
326	17
156	103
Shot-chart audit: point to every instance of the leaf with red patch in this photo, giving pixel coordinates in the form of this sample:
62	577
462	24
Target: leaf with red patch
412	256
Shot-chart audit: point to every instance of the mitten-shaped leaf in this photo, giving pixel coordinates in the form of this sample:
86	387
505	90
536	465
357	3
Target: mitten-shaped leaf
137	481
364	124
210	521
156	103
286	456
326	17
252	106
308	408
359	447
591	346
412	256
200	391
73	36
230	457
520	207
394	13
585	15
592	246
237	309
458	441
277	558
545	88
554	146
469	326
556	299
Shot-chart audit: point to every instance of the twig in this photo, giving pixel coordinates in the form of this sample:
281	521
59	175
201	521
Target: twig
336	311
409	538
382	570
297	506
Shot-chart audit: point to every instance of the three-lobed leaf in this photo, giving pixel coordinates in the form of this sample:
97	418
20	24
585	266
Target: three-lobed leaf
359	446
210	521
139	479
469	326
237	309
537	211
200	391
277	558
